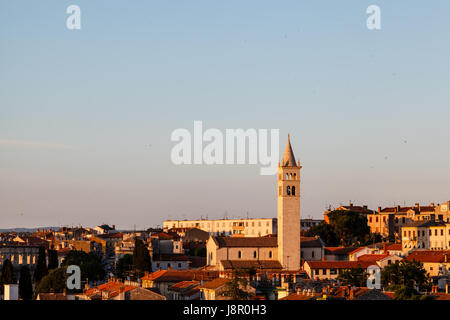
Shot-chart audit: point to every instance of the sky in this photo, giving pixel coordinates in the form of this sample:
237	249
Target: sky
86	115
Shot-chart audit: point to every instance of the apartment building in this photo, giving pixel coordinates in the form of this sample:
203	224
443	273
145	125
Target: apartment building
428	235
228	227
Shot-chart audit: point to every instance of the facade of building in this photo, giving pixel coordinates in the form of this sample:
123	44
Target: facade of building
228	227
427	235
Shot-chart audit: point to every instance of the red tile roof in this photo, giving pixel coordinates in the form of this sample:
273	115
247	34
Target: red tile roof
247	264
339	250
429	256
394	247
372	257
339	264
216	283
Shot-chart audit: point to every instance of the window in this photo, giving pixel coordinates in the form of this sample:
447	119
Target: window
312	254
288	190
169	265
254	254
370	219
270	254
435	232
239	254
376	219
333	271
179	265
293	190
442	232
429	232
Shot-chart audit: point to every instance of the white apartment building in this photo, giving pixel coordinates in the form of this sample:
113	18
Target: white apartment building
228	227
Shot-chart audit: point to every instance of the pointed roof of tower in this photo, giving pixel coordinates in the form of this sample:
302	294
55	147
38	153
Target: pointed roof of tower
288	157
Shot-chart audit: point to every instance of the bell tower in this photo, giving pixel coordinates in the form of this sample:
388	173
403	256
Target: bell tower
289	210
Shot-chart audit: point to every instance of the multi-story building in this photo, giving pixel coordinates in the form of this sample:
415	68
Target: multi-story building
389	221
308	223
428	235
228	227
19	255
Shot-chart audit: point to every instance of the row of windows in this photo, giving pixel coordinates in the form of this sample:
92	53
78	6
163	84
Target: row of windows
423	233
289	176
290	191
229	224
255	254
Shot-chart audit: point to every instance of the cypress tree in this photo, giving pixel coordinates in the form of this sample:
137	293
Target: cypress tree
52	259
7	276
41	266
25	284
141	258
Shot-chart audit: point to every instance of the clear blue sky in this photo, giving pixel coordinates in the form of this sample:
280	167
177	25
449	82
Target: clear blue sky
86	116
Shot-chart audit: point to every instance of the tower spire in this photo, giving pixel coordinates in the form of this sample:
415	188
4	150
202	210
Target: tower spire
288	156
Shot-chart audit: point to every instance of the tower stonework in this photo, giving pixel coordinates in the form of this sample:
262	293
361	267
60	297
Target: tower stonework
289	210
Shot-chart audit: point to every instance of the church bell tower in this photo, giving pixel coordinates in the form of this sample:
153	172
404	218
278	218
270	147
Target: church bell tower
289	210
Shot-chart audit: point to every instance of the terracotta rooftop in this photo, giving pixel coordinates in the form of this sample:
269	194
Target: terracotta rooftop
339	264
247	242
429	256
216	283
372	257
394	246
339	250
247	264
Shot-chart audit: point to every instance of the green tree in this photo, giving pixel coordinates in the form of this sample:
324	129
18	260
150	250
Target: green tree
90	264
236	289
326	232
25	284
141	258
7	274
124	265
52	259
350	227
41	266
354	277
56	280
406	273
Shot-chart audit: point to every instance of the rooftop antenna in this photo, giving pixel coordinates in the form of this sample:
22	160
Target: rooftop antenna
247	214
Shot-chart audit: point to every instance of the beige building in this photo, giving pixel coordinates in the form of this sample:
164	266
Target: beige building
228	227
428	235
269	253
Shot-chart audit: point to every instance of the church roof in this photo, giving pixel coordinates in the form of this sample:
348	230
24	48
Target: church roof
248	242
288	156
247	264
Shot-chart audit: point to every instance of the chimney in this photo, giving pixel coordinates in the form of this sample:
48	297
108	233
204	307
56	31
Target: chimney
379	209
385	248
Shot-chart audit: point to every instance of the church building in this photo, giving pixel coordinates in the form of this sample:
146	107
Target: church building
280	252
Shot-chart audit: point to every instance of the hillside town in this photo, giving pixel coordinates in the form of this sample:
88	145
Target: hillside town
353	253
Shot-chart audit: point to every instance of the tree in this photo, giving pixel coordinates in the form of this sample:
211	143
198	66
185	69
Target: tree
25	284
354	277
56	280
41	266
7	275
90	264
124	265
236	289
52	259
141	258
406	273
326	232
349	226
